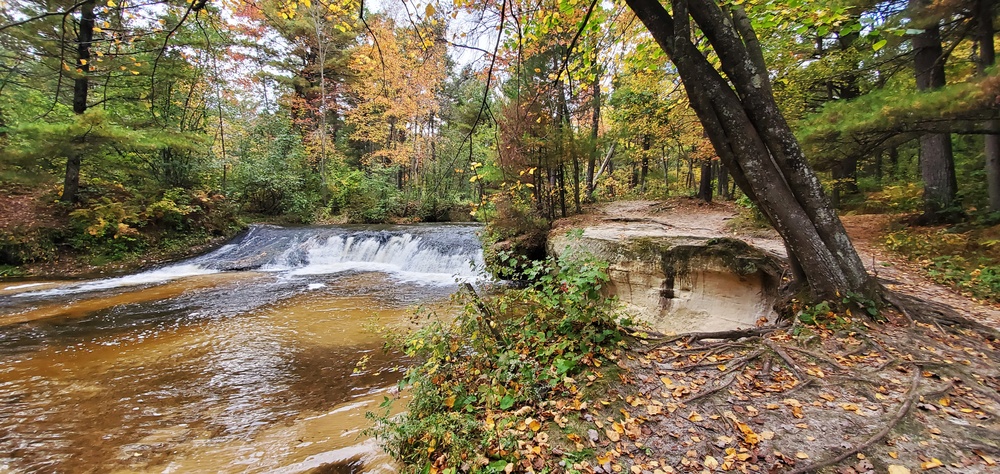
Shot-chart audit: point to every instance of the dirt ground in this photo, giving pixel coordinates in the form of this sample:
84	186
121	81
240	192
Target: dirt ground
919	392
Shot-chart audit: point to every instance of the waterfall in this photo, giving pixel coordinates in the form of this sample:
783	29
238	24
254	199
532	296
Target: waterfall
438	254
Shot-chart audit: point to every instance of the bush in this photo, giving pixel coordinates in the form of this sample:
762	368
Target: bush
968	261
516	350
513	237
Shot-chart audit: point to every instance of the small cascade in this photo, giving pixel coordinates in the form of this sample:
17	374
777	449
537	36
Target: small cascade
439	254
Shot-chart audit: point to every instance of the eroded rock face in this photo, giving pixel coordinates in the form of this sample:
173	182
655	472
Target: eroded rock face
683	283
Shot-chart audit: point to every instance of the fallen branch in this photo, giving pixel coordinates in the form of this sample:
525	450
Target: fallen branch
911	396
733	335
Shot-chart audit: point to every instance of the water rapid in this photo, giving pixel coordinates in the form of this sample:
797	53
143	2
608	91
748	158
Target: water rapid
261	356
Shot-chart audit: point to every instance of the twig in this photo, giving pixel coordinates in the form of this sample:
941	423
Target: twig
817	356
911	395
705	393
792	365
485	311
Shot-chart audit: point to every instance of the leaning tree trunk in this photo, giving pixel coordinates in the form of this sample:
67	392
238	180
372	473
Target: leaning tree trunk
937	162
81	85
750	135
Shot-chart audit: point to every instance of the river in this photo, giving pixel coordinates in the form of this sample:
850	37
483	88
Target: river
261	356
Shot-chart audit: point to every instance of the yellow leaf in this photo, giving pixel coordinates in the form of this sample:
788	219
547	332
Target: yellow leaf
112	4
612	435
695	417
893	454
945	402
710	462
533	424
429	11
490	423
801	455
450	401
934	462
897	469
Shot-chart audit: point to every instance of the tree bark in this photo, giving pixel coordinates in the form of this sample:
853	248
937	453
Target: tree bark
937	163
705	183
723	179
81	86
746	128
987	57
594	128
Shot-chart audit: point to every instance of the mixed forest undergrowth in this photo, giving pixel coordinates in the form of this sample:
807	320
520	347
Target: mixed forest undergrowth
823	390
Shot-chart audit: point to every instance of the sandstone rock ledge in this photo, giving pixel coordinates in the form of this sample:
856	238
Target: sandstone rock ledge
678	283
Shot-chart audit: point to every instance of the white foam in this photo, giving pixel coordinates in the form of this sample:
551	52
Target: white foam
18	287
159	275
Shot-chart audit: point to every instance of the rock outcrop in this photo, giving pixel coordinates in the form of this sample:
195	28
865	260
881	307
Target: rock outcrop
679	283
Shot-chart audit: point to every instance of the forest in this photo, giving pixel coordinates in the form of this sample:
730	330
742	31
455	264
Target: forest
139	132
133	127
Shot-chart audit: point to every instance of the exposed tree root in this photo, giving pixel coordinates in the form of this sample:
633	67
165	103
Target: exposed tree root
932	312
904	408
733	335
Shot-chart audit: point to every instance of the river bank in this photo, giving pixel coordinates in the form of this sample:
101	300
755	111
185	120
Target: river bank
817	392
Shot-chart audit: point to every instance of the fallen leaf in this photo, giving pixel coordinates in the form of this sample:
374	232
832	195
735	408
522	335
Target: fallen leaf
767	435
893	454
987	459
695	417
612	435
897	469
801	455
533	424
710	462
933	463
450	401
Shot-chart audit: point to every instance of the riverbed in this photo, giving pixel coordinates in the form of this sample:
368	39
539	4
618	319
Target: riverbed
262	356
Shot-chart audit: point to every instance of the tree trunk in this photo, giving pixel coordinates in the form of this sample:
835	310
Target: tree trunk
723	178
594	128
644	163
987	57
749	134
937	163
705	184
81	86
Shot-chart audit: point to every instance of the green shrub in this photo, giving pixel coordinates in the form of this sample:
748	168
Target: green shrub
514	236
516	350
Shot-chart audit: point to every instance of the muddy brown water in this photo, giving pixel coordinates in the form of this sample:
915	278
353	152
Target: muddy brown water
264	370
